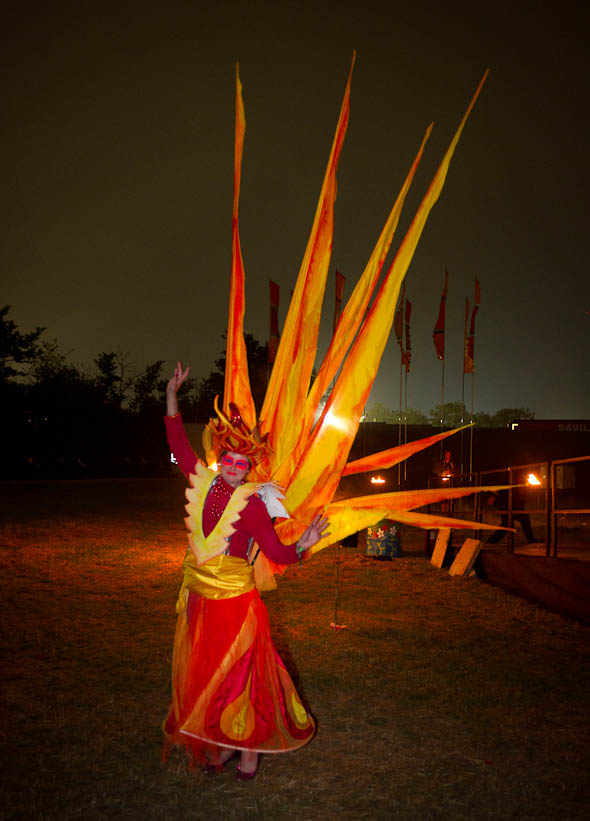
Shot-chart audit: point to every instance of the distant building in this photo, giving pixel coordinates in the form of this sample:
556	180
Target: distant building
552	425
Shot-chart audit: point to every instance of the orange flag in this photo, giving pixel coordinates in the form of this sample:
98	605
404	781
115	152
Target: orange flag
467	362
408	353
469	356
438	335
398	320
237	382
350	321
282	411
326	451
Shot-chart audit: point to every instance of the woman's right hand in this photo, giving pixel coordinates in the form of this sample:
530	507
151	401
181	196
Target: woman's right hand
174	384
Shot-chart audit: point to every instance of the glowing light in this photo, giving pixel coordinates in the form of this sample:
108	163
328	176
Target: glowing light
338	422
532	479
214	466
377	480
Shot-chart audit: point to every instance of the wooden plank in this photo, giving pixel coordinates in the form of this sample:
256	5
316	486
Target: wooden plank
466	557
440	548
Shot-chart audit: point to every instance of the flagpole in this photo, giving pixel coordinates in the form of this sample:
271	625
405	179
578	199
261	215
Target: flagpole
471	428
476	299
442	402
406	425
399	419
438	337
407	360
462	416
398	325
463	380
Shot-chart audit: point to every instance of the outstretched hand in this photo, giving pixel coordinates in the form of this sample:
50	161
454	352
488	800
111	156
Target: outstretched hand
315	532
174	384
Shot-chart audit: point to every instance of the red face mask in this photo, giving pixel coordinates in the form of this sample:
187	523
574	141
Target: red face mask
239	463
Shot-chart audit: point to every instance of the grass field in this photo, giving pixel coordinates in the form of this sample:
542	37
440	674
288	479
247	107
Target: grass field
443	698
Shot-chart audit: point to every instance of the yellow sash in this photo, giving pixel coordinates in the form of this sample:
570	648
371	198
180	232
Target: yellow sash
220	578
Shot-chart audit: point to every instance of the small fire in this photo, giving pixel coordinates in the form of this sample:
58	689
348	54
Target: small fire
532	479
377	480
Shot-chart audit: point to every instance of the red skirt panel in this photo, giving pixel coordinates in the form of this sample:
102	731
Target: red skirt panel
230	687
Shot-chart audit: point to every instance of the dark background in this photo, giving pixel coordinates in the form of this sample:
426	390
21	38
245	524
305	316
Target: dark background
117	157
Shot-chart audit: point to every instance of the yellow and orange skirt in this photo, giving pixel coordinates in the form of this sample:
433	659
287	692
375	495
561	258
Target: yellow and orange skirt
230	687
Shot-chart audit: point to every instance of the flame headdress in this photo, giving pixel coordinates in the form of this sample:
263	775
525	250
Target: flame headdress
231	433
307	457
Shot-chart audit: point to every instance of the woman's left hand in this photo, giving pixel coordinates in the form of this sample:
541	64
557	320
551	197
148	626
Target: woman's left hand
315	532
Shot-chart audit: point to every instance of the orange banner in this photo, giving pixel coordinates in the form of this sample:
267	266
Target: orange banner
237	382
324	456
282	411
438	335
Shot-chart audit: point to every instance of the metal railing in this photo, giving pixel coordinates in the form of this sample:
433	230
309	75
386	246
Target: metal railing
570	482
564	490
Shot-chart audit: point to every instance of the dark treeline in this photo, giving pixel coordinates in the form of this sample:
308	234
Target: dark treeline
66	420
70	421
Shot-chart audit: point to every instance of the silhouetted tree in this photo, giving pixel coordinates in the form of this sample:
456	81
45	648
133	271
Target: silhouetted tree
503	417
211	386
16	348
148	389
116	375
451	413
381	413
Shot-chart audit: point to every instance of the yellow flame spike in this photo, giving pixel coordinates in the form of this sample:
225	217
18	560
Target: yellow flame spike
323	460
350	320
430	521
393	456
410	499
282	411
237	382
343	523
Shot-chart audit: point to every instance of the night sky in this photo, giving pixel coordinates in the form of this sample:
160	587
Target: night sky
117	151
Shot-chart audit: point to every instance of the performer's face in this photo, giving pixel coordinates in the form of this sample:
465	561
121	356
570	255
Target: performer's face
234	468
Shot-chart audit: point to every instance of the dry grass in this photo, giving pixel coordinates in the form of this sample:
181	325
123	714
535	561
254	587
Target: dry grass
443	698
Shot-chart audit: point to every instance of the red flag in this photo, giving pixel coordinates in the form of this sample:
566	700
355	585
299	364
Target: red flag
438	335
340	280
469	360
398	320
408	354
273	337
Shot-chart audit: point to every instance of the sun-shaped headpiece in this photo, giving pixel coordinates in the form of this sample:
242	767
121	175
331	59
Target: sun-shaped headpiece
231	433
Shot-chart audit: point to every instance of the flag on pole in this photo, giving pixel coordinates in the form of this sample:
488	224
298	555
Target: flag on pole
467	363
469	359
273	336
398	320
408	354
340	279
438	335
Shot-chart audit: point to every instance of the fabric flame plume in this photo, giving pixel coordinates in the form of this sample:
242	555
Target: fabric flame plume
308	460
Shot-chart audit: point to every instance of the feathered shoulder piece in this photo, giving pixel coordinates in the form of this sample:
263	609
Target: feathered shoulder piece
272	496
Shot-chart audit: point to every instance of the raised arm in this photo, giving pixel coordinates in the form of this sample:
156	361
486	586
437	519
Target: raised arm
174	384
178	442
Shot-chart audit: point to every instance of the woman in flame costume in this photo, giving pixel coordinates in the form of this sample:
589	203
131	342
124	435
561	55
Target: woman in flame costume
230	688
309	444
